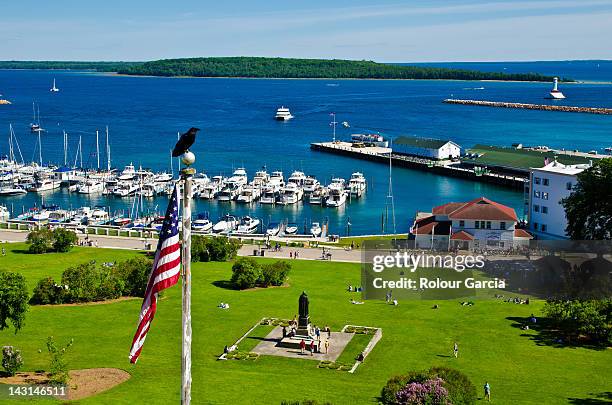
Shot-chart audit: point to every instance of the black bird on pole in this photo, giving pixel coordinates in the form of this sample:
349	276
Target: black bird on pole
185	142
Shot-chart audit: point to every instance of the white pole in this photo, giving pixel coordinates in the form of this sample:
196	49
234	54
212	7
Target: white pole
108	157
187	175
98	149
81	151
65	149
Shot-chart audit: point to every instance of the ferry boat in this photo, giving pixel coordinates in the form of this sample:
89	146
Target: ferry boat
283	114
290	194
370	140
337	193
226	224
357	184
248	225
555	93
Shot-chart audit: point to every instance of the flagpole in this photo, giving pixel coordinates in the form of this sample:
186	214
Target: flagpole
186	176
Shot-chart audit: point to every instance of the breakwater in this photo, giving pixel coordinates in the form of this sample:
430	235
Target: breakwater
525	106
511	178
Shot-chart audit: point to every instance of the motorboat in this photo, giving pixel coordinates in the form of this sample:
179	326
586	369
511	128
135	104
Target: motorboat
128	173
119	221
291	228
315	229
318	196
99	216
248	225
202	224
210	190
283	114
277	178
337	194
226	224
163	177
290	194
249	194
126	189
273	229
310	184
357	184
261	178
297	178
269	194
9	190
233	185
59	216
45	184
150	190
90	187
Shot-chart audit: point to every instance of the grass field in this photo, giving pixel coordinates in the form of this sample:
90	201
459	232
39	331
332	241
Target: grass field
491	347
523	159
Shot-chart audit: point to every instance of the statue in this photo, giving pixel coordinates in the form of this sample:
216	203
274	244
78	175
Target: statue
304	318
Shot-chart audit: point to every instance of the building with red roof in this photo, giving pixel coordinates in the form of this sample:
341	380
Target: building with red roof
480	223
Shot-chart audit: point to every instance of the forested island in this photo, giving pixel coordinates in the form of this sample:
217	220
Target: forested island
260	67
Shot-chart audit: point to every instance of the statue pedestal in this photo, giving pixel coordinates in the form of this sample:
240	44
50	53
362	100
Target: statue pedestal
294	342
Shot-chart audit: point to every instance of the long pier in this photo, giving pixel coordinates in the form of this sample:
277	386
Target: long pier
525	106
511	178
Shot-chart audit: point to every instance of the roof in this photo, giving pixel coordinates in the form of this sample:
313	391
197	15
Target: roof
560	168
426	143
462	235
521	233
425	226
480	208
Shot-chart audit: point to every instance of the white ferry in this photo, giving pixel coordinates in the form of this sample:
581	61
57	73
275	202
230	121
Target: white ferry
283	114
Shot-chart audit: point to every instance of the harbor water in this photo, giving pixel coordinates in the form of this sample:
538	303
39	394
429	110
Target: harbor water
144	115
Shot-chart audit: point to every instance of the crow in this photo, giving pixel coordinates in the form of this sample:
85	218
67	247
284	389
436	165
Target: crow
185	142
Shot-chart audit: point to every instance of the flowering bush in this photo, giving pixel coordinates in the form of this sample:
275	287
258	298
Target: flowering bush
428	392
11	359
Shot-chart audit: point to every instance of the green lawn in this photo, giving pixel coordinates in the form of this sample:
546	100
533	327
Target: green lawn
414	337
523	159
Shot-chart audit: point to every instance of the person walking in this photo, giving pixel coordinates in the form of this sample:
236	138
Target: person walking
456	349
328	332
487	391
302	346
326	345
312	347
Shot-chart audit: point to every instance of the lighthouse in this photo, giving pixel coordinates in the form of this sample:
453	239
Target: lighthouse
555	93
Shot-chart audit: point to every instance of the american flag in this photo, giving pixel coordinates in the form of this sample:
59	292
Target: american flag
165	272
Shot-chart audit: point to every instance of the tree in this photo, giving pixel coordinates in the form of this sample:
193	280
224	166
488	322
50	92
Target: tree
245	273
13	300
47	291
135	273
275	273
589	207
40	241
64	239
83	282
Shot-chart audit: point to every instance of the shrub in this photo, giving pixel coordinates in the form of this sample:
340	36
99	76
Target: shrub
40	241
215	249
245	273
58	367
64	239
111	284
424	386
83	282
135	274
199	249
13	300
275	273
47	291
11	359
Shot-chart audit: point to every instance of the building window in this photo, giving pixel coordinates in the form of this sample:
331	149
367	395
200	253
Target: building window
536	180
502	225
544	209
568	185
462	223
488	224
477	224
536	208
535	226
536	194
545	182
543	228
545	196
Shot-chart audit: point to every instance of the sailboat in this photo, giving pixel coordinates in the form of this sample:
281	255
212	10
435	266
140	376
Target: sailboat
54	89
35	126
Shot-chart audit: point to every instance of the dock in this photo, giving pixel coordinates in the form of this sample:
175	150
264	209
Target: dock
524	106
508	177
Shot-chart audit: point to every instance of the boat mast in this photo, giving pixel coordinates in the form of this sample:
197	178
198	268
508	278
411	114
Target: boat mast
98	148
65	148
108	156
81	151
39	150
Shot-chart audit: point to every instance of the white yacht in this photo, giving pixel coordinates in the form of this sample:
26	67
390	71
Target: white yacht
9	189
54	89
297	178
273	229
261	178
150	190
163	177
226	224
337	193
291	228
318	196
233	186
357	184
59	216
98	216
269	194
555	93
290	194
283	114
128	173
249	194
315	229
90	187
210	190
248	225
310	184
41	216
277	178
202	225
125	189
46	184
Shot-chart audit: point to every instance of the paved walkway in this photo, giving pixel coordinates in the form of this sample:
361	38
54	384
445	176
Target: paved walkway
337	254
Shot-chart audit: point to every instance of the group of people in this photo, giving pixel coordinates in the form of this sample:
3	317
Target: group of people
294	254
223	305
88	242
350	288
389	298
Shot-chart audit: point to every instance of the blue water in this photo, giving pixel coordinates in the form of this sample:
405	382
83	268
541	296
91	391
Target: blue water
235	115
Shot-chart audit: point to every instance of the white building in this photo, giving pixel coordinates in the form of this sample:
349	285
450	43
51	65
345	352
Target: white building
480	223
549	185
425	147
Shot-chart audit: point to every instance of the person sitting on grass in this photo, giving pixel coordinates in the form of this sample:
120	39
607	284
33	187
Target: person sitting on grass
395	302
356	302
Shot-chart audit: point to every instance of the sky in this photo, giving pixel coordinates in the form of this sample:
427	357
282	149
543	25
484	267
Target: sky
384	31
